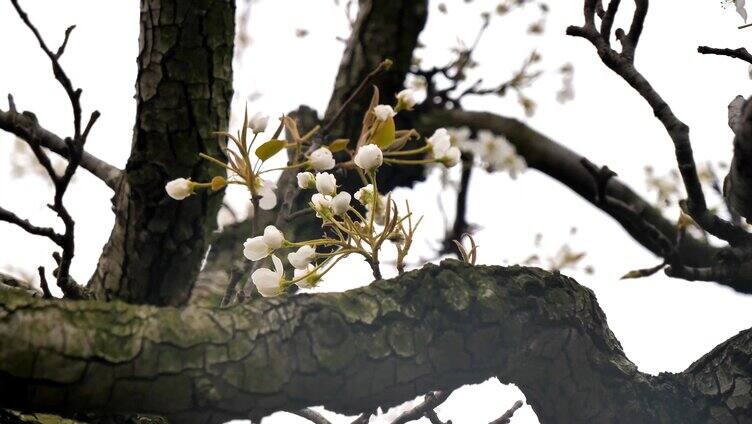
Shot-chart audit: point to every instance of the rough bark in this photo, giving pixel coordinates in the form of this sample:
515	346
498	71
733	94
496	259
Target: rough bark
737	188
433	329
184	90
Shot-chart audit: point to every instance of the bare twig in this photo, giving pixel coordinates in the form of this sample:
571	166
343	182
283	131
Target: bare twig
74	146
430	402
740	53
43	283
507	416
311	416
623	65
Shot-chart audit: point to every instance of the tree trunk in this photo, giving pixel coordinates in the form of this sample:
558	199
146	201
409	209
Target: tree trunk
437	328
183	92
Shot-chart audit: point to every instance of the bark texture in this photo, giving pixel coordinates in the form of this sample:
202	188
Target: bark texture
436	328
184	90
737	188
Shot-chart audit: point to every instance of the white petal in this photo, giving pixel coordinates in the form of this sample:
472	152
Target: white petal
273	238
255	249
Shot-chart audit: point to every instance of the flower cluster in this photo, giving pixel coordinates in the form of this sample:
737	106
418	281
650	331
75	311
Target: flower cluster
359	223
361	227
493	152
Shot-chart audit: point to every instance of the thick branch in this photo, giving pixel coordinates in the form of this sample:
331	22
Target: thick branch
434	329
565	166
26	127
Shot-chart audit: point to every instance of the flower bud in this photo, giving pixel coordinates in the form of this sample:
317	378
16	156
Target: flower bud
258	122
179	188
383	112
322	159
369	157
306	180
326	183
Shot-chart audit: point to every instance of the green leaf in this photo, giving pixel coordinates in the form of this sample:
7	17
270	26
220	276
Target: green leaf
269	149
338	145
385	134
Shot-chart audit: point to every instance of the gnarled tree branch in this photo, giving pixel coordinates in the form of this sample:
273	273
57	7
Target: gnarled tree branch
434	329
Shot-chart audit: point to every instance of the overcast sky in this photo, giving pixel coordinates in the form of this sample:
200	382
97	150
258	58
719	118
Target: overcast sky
663	324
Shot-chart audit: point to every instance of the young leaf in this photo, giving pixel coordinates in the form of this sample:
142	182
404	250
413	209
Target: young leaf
269	149
385	134
338	145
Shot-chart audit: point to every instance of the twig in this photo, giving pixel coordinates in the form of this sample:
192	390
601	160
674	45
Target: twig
383	66
740	53
430	402
623	65
74	146
311	416
43	283
507	416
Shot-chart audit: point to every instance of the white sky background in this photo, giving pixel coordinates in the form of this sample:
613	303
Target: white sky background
663	324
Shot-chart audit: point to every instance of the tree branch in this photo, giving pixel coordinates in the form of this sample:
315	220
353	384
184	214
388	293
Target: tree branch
25	126
623	65
565	166
434	329
740	53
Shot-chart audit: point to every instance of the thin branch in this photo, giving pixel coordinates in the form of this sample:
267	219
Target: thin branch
10	217
740	53
311	416
383	66
507	416
430	402
622	64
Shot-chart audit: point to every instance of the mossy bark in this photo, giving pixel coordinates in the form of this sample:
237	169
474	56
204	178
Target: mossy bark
440	327
183	93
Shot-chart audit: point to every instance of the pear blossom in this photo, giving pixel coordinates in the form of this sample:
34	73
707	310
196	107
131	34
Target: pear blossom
262	246
369	157
379	216
309	277
306	180
269	282
326	183
406	98
451	157
440	142
322	159
383	112
341	203
179	188
302	257
258	122
321	204
365	194
265	189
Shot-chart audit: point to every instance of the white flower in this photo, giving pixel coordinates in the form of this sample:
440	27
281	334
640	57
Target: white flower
498	154
269	282
179	188
326	183
306	180
258	122
302	257
309	277
365	194
459	135
406	97
381	207
273	237
451	157
440	142
321	204
383	112
369	157
265	189
322	159
341	203
260	247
